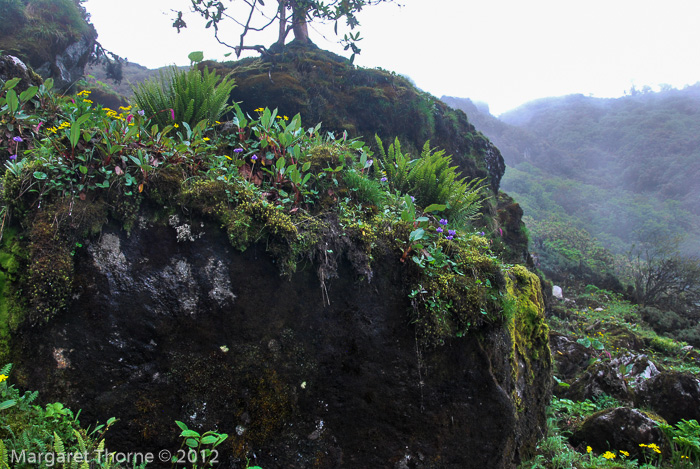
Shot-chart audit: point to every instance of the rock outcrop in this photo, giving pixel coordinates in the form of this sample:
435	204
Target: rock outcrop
165	327
620	428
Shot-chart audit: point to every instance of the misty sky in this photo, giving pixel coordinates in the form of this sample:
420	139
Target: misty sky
503	52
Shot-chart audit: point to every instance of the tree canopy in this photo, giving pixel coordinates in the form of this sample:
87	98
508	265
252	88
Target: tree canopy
289	15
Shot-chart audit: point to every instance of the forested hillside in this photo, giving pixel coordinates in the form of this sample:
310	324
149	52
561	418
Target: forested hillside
623	169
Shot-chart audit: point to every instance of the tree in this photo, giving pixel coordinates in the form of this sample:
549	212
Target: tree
290	15
662	276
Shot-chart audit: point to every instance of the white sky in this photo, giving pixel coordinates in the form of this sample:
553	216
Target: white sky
503	52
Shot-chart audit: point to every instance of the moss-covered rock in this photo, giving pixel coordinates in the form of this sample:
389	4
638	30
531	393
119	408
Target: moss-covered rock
324	87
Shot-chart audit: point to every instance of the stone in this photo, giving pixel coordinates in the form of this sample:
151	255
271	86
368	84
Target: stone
12	67
68	66
672	395
620	428
301	382
617	378
570	357
557	292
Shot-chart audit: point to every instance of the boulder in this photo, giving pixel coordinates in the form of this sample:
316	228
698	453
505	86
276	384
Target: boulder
557	292
618	429
68	66
570	357
167	327
672	395
12	67
618	377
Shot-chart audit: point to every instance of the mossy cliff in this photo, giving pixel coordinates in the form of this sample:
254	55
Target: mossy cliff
52	36
160	327
334	322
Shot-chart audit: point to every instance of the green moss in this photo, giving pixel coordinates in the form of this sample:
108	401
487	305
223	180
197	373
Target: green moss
528	328
50	274
12	258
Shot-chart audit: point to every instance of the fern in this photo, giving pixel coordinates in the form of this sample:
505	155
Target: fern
364	190
4	463
58	447
431	180
193	96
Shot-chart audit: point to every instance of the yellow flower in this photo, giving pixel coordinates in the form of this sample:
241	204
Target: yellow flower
87	101
624	453
206	139
217	122
609	455
3	378
84	93
176	125
228	157
588	449
124	108
285	118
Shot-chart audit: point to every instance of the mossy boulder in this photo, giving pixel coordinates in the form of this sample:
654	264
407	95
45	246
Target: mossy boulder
52	36
162	326
619	429
324	87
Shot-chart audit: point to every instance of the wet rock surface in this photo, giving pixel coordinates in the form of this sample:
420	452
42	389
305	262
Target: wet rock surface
165	328
673	395
618	429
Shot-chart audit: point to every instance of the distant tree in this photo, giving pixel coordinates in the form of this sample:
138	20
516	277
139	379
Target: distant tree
662	276
290	16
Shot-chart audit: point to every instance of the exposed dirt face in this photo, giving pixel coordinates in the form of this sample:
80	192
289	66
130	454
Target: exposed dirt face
163	330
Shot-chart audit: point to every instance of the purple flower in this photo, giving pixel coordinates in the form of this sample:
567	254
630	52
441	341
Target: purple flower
413	199
369	163
17	139
451	232
384	179
439	230
443	221
13	157
449	237
238	150
482	233
172	114
141	113
254	157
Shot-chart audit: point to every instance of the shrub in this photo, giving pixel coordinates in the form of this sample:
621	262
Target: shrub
184	96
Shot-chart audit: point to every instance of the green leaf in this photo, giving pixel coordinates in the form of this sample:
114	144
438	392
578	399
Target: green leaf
39	175
12	101
434	208
196	56
9	84
74	133
209	440
416	234
597	345
191	442
28	94
82	118
83	169
189	434
7	404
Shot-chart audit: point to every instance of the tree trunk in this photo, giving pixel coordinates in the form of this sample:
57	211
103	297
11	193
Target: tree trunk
299	25
283	23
